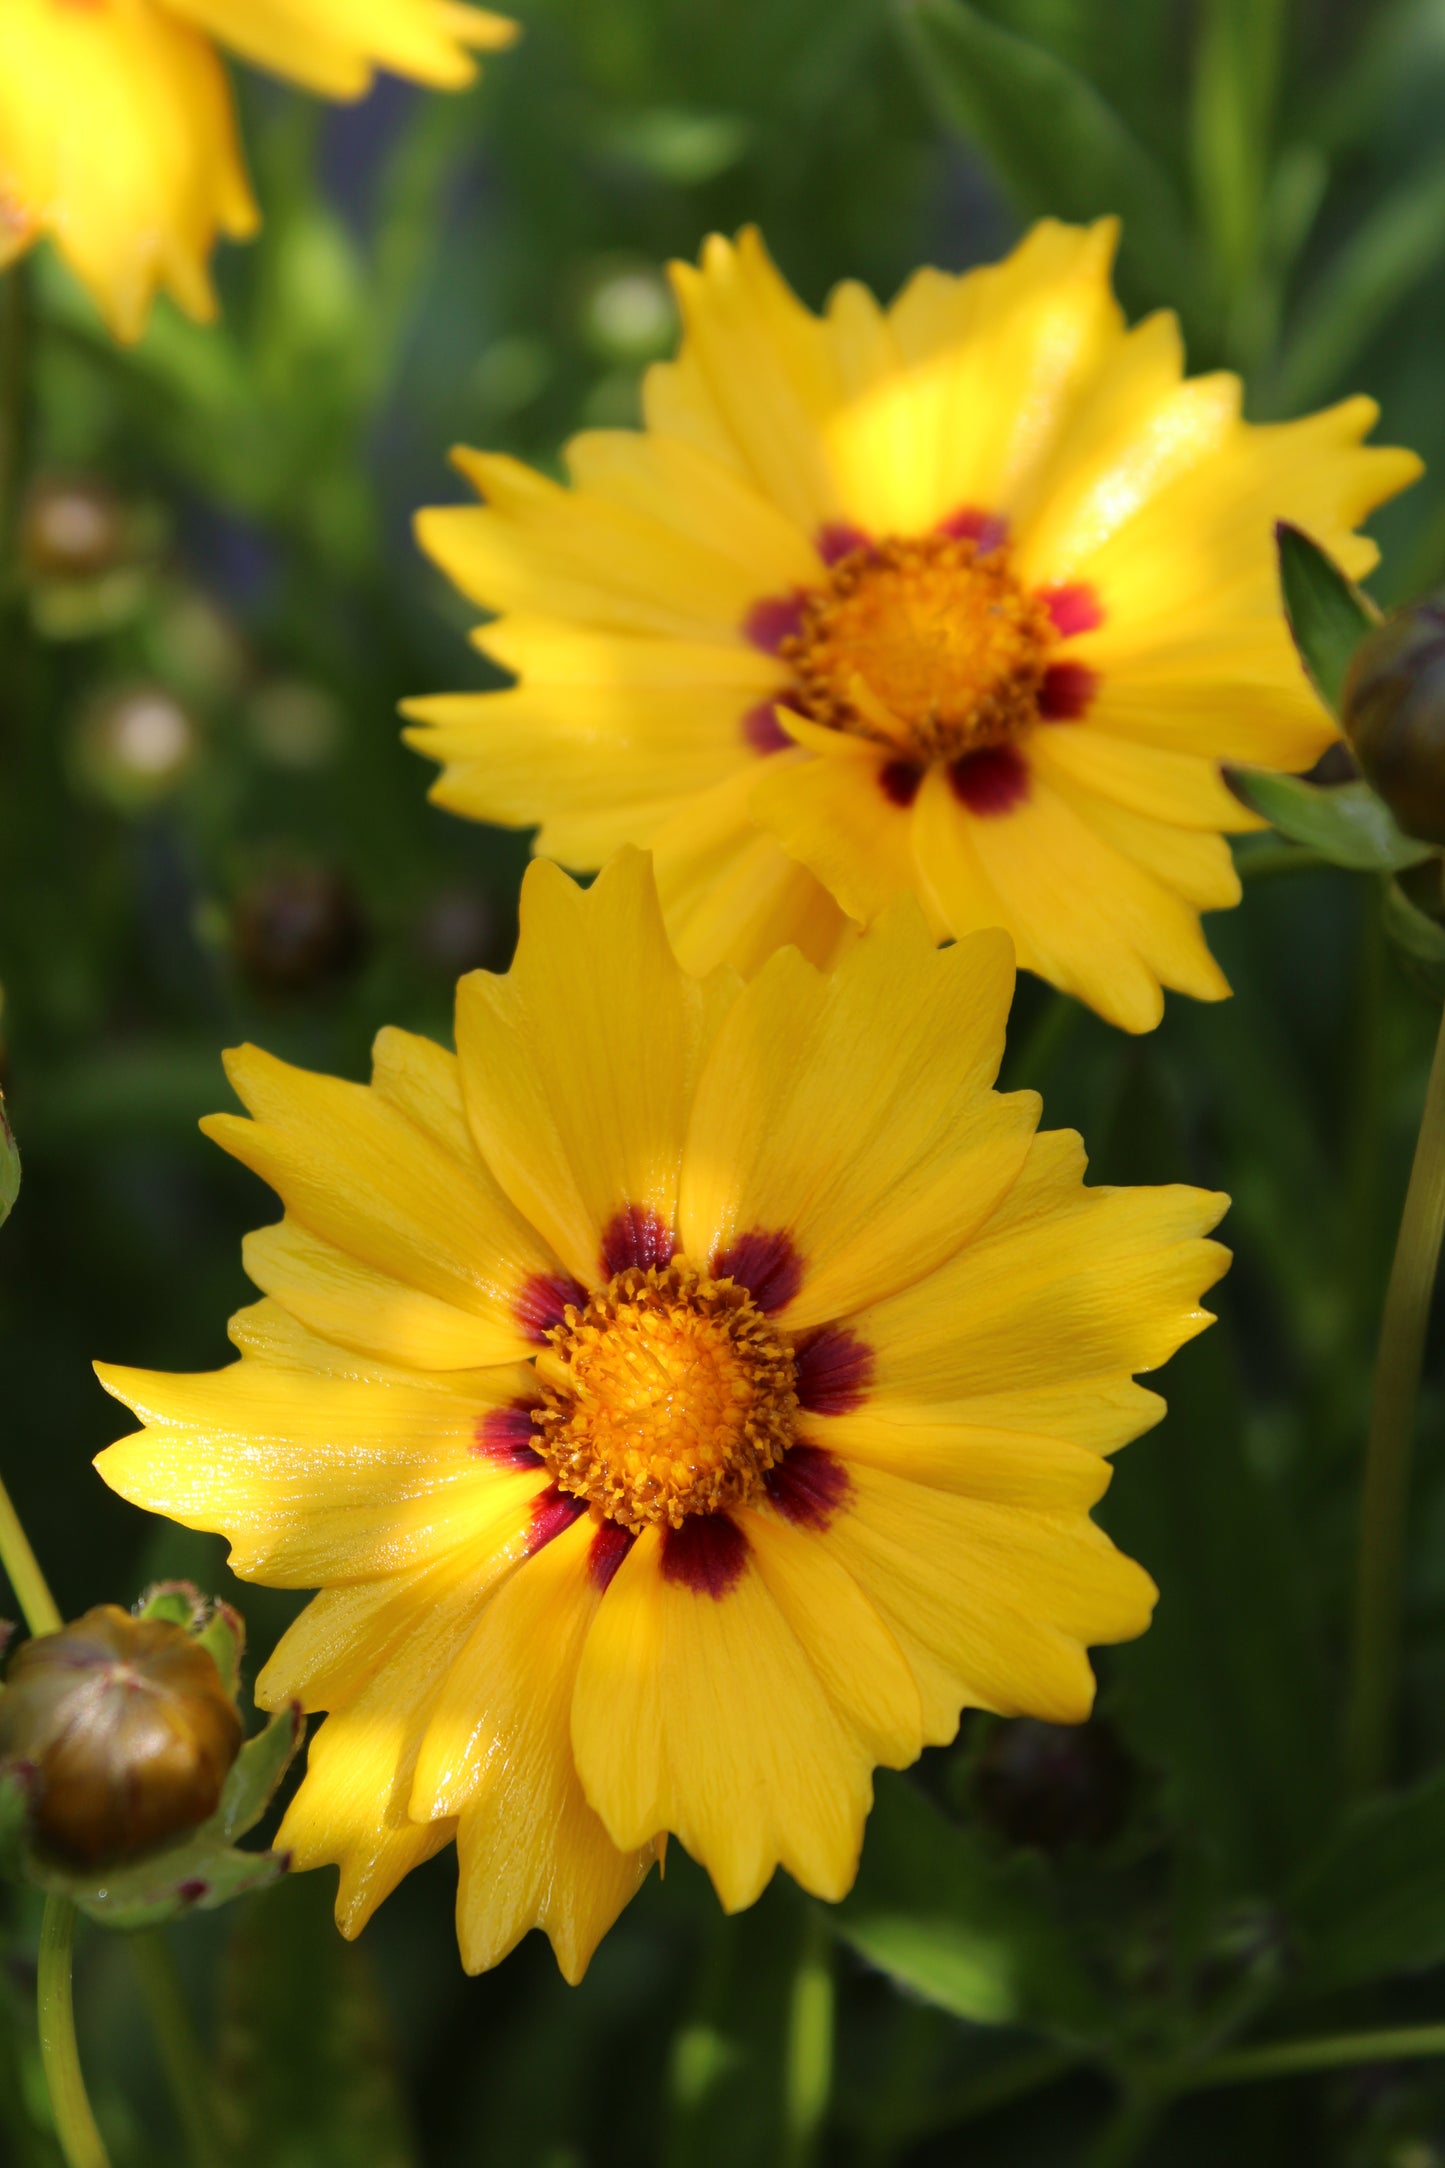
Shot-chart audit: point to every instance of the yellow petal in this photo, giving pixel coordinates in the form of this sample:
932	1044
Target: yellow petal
877	1147
704	1715
1083	915
994	1607
332	46
364	1177
729	893
498	1752
836	817
1004	1466
580	1065
1065	1288
118	140
315	1478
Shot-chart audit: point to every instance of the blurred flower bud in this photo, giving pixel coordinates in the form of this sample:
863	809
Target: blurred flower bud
129	1730
296	930
295	725
1393	711
72	528
1054	1785
135	745
457	932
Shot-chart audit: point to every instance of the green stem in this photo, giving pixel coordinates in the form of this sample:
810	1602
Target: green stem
1375	1681
1335	2051
185	2065
22	1571
1133	2124
808	2071
80	2141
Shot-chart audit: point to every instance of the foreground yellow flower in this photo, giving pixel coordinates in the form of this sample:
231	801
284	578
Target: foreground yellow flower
117	136
686	1397
968	597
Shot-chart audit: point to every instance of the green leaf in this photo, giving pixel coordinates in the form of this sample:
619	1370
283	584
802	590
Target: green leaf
939	1911
1328	615
309	2078
9	1164
1373	1902
1226	1691
1056	145
1344	822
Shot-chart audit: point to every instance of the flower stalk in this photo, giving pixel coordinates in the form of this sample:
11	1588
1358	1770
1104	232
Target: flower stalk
1375	1683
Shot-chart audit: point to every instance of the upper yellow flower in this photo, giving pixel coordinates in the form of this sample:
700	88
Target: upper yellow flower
686	1397
967	597
117	136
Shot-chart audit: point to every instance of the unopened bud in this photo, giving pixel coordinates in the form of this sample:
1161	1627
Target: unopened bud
297	930
1054	1785
1393	711
72	528
129	1732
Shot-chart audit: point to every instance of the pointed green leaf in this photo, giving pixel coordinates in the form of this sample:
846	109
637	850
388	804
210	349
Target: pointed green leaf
223	1637
9	1164
258	1769
175	1603
194	1878
938	1910
1372	1904
1344	822
1328	615
1056	145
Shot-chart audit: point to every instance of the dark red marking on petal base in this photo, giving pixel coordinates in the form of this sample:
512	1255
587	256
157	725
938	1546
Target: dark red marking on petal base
552	1511
1067	691
707	1554
191	1892
808	1486
608	1548
543	1301
899	781
506	1436
762	730
1074	609
971	524
835	1370
775	619
838	539
636	1236
766	1264
990	781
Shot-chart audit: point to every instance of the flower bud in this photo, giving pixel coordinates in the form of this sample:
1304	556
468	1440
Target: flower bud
128	1729
72	528
296	930
1052	1785
1393	711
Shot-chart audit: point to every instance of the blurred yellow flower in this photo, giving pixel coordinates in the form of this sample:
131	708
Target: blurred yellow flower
117	136
686	1397
969	597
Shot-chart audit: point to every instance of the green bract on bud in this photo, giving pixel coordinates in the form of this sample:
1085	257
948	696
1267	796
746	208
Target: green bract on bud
129	1730
124	1772
1393	712
9	1164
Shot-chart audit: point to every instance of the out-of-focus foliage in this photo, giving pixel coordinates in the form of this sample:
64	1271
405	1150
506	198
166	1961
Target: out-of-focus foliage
209	832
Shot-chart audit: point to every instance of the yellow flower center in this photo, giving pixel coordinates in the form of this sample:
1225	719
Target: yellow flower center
930	646
669	1394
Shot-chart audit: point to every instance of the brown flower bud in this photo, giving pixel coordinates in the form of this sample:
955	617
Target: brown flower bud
1393	711
1054	1785
72	528
129	1730
297	930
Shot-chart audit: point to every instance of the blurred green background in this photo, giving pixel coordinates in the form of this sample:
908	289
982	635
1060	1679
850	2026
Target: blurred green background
209	831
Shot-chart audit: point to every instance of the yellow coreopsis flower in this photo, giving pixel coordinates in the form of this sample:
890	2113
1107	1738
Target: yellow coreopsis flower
117	136
686	1397
968	596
